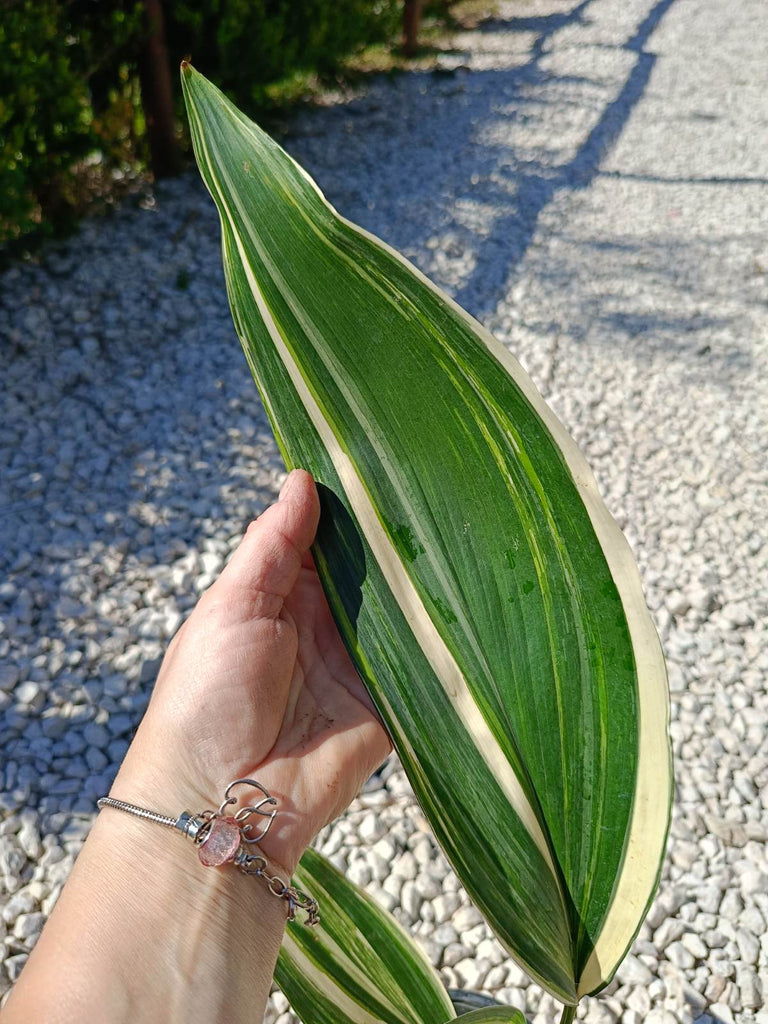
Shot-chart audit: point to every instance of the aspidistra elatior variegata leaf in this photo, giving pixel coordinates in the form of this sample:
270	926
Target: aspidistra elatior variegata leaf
359	966
487	597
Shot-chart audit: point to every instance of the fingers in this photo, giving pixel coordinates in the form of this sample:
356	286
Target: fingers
266	565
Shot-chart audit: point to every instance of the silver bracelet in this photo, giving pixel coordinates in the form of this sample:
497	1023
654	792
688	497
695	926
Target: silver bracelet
221	838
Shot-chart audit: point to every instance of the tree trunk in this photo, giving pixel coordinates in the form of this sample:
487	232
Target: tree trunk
411	19
157	94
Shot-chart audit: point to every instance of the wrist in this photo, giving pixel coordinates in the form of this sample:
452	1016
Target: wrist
165	774
143	926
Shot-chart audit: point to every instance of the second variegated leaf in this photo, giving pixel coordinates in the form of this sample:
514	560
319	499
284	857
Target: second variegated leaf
358	966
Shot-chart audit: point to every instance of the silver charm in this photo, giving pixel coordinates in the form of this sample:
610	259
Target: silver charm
242	816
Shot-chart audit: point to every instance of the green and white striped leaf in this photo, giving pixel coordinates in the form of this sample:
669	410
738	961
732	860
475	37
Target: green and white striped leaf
358	966
488	599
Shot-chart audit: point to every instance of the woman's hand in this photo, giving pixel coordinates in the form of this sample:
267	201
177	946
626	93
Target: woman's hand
258	684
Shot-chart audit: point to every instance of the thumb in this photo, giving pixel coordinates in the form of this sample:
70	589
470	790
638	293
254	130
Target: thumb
264	569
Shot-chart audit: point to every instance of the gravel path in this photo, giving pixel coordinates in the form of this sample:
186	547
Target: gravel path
590	179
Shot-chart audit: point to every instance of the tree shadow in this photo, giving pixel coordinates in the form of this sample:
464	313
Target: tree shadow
535	190
462	187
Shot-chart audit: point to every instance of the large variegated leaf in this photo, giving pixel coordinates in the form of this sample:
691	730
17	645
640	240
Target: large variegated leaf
490	603
358	966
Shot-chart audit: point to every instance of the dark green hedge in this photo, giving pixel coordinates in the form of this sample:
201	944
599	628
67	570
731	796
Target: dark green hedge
68	80
244	44
51	55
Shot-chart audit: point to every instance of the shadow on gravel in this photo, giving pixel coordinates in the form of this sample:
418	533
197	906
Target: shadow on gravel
658	179
536	190
458	171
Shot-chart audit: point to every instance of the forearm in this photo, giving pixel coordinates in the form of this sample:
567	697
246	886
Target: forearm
144	932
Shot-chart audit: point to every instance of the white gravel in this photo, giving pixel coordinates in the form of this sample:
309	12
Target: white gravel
592	181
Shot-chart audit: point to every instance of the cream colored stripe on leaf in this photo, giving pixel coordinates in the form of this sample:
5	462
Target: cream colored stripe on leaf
313	977
345	899
395	999
358	975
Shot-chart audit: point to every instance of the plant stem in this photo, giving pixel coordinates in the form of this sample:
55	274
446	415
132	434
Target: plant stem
569	1013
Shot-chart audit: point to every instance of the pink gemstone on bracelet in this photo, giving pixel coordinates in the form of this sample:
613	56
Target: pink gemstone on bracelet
221	843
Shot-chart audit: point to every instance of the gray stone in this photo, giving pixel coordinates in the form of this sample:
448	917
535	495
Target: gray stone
471	972
445	905
12	857
708	898
96	759
513	997
678	603
694	945
467	917
732	906
30	694
749	946
54	726
667	932
29	840
385	849
599	1013
22	902
211	563
634	972
14	965
639	1001
750	989
678	955
661	1016
410	899
703	599
721	1013
428	886
371	828
149	670
359	872
9	677
405	866
754	881
28	926
754	921
445	934
96	735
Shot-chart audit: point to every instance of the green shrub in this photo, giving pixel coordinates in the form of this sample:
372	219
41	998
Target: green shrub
59	62
245	44
44	113
69	82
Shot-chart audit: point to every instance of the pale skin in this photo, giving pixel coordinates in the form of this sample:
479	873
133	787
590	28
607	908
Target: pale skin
257	684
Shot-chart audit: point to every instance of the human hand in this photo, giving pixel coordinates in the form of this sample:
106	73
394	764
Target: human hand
257	683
